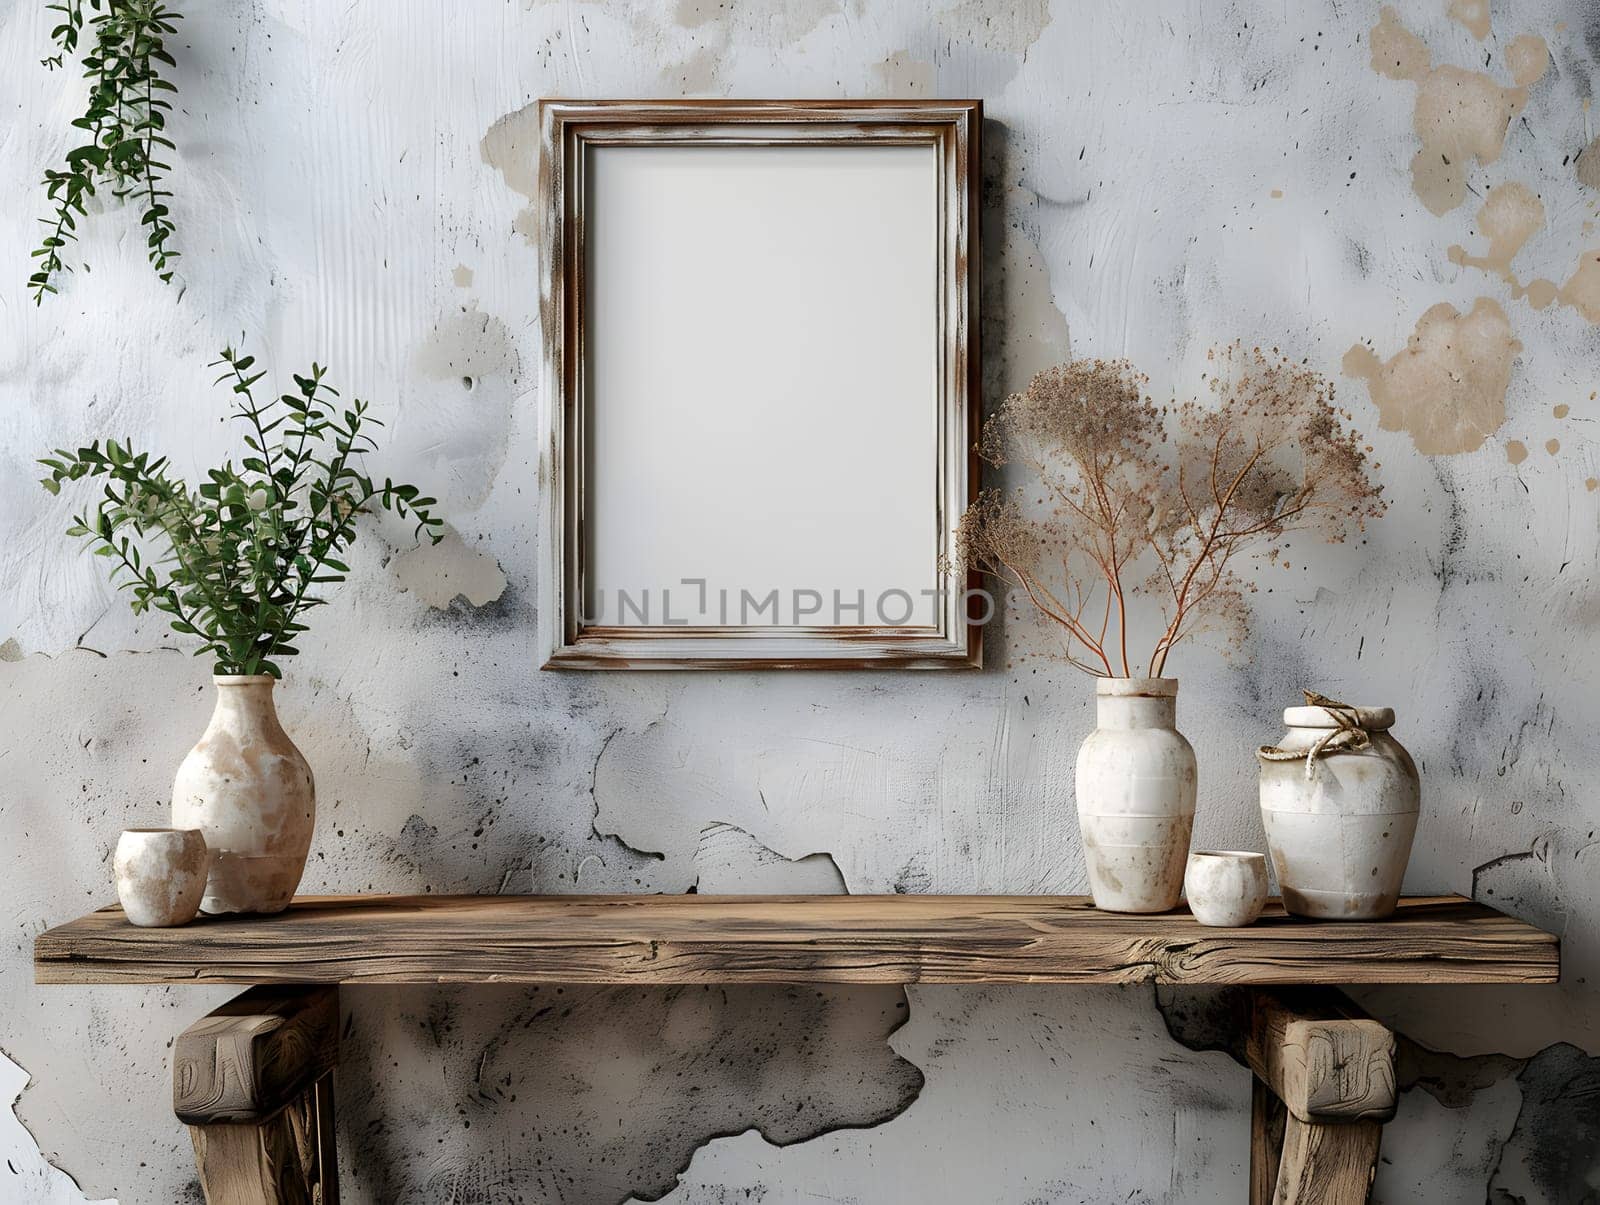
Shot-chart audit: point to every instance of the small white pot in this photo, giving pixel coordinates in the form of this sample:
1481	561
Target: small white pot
248	789
1226	887
161	875
1136	792
1340	824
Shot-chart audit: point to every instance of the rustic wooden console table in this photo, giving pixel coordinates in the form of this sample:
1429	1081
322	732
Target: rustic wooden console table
253	1080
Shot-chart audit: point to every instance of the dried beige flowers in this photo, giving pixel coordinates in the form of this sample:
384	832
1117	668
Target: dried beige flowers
1118	493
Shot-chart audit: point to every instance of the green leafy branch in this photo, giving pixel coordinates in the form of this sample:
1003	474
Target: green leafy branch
125	121
239	560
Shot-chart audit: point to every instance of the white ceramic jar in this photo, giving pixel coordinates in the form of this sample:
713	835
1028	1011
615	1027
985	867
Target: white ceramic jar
1340	821
161	875
1136	792
248	789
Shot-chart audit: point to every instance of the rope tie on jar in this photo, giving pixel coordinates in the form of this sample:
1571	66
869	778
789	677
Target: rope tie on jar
1348	736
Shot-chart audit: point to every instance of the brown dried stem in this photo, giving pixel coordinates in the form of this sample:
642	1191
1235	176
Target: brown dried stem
1269	455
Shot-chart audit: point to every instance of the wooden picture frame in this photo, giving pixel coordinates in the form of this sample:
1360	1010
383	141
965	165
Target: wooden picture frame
616	365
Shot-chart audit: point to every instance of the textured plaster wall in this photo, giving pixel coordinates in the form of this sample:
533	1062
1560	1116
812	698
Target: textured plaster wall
1403	197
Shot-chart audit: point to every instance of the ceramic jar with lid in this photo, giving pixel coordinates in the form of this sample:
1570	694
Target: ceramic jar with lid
1339	799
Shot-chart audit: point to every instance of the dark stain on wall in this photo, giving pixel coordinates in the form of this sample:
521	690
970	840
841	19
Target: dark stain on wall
1451	1079
585	1095
1553	1153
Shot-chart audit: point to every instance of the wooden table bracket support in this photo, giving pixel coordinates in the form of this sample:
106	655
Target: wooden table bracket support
254	1083
1324	1085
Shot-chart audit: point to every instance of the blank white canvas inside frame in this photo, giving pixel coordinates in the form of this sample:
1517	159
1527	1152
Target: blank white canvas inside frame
763	362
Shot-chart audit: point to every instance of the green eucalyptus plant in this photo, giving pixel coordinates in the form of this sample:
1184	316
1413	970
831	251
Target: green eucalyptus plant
238	561
125	121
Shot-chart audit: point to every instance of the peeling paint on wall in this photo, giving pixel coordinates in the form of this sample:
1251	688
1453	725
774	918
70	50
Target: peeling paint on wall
1003	1065
729	861
28	1176
1553	1154
443	572
603	1094
467	430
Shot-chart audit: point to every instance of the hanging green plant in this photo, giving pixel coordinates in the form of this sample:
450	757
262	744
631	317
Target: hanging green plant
125	123
238	561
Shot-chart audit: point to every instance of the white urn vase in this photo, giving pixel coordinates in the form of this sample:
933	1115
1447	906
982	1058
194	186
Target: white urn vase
249	791
1136	792
1339	800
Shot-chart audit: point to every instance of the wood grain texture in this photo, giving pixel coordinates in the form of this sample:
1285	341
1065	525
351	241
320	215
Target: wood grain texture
254	1055
1325	1060
1267	1116
794	939
288	1159
1327	1164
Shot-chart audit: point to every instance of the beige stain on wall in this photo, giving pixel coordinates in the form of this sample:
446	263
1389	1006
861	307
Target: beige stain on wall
901	74
780	24
1460	115
1581	291
1588	165
1510	215
1008	28
716	28
1474	14
1447	387
511	147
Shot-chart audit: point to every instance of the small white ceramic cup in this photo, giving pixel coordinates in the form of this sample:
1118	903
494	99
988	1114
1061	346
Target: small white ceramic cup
161	875
1226	887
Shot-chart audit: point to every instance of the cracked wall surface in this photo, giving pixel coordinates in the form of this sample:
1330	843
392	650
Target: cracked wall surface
355	185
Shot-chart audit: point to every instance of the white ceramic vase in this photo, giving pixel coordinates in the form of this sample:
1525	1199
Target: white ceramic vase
249	791
1136	791
1339	824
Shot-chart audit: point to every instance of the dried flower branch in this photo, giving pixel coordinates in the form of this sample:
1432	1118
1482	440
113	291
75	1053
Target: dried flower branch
1269	456
1089	435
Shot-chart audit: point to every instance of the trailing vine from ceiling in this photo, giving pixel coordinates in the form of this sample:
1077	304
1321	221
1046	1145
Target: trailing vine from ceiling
123	128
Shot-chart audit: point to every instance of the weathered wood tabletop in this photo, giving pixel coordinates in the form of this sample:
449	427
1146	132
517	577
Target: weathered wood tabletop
674	939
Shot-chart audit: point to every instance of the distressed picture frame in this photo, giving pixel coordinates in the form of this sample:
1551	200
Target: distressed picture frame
657	220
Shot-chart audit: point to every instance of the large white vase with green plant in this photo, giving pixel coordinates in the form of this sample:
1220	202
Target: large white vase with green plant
1133	513
236	564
